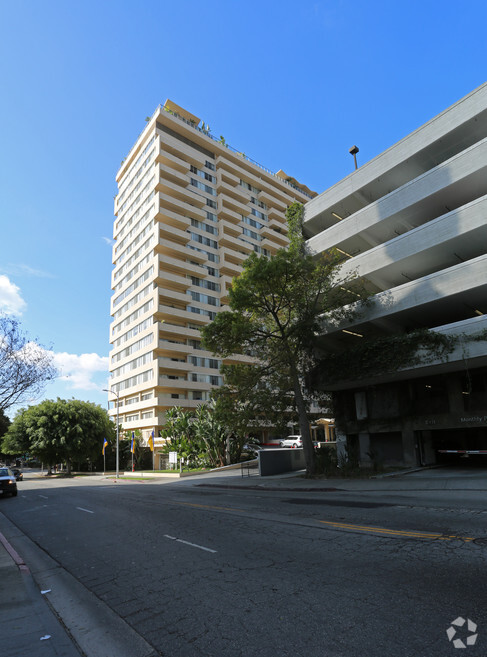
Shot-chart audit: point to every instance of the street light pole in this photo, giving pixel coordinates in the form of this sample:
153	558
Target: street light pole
114	392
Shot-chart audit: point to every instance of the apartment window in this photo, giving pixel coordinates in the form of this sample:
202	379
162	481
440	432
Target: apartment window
251	233
147	395
201	311
211	203
250	187
203	282
200	361
146	414
211	256
210	165
196	344
260	204
204	298
132	365
132	418
206	378
203	187
258	214
203	174
252	222
213	230
133	381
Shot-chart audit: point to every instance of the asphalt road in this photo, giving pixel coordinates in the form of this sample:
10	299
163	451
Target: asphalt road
197	571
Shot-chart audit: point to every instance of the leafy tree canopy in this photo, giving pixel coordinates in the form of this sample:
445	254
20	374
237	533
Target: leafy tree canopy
59	431
278	307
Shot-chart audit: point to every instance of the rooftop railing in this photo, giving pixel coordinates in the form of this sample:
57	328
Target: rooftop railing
222	142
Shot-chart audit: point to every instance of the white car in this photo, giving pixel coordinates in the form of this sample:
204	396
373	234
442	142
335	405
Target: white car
291	441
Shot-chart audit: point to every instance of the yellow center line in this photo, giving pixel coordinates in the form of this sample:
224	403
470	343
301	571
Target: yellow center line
207	506
344	525
393	532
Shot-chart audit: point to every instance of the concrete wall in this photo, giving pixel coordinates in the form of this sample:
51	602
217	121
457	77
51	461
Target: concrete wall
275	461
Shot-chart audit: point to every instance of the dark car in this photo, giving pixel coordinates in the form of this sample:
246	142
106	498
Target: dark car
8	483
19	475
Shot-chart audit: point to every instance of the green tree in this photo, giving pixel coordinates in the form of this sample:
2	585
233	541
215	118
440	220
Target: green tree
179	432
60	431
4	423
278	308
214	435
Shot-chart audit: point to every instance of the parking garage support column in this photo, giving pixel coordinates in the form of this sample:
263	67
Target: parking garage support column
364	448
409	446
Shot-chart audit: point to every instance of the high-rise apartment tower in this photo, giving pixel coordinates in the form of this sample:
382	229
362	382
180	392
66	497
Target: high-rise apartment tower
189	210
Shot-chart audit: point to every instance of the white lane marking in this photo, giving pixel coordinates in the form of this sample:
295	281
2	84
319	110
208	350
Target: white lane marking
44	496
180	540
86	510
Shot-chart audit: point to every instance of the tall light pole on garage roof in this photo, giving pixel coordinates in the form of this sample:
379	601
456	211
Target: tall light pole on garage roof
114	392
353	151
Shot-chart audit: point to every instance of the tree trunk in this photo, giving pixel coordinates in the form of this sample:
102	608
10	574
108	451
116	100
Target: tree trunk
309	451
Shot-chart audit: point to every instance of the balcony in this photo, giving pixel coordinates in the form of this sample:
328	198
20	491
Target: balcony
173	161
177	265
172	234
233	204
174	219
277	215
274	236
179	299
170	331
229	229
227	177
184	194
237	193
270	245
229	214
272	202
169	313
169	349
173	281
173	176
230	268
239	359
176	206
170	366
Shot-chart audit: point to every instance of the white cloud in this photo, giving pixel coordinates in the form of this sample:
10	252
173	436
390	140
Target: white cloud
11	301
25	270
79	371
108	241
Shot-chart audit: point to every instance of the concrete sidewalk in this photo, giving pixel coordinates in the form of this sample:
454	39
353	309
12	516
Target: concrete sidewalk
417	479
28	626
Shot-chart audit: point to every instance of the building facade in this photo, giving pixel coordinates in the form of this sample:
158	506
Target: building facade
189	210
412	223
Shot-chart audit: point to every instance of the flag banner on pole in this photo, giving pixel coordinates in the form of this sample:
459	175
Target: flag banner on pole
132	446
151	441
105	443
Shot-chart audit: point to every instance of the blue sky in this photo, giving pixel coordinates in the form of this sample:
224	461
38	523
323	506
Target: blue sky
292	84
